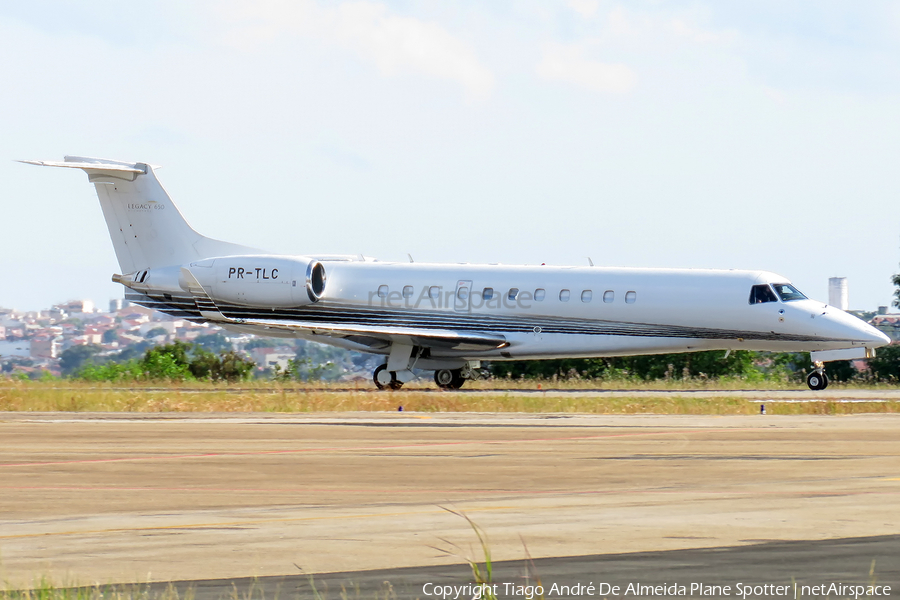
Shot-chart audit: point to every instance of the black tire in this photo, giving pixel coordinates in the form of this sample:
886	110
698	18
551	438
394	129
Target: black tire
449	379
817	381
395	383
378	370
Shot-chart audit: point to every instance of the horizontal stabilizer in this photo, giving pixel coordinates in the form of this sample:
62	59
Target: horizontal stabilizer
95	165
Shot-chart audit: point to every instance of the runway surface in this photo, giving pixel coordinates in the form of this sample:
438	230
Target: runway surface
847	560
121	497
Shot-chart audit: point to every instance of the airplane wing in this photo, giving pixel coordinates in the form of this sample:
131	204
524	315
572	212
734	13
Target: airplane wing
442	338
361	334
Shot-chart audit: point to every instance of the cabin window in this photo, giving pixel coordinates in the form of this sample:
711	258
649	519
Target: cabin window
382	291
762	293
586	295
462	293
630	297
788	292
407	291
539	294
487	293
513	293
434	292
609	296
564	295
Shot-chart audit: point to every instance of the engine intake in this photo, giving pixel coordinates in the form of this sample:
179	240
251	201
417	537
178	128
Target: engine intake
315	280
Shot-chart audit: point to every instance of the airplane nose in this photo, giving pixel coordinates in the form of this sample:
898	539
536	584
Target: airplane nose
879	339
855	329
871	337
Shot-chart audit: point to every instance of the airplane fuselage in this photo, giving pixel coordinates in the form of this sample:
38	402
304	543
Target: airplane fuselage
449	317
541	311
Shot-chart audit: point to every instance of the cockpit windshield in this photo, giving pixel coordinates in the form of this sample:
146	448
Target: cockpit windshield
762	293
788	292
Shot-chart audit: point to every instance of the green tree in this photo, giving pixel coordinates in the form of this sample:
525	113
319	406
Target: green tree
797	365
178	361
234	367
132	352
260	343
110	336
215	342
306	369
886	364
164	365
711	364
227	366
178	350
155	332
112	371
896	281
72	359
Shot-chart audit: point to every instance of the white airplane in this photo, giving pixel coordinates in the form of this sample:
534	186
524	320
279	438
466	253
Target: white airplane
447	318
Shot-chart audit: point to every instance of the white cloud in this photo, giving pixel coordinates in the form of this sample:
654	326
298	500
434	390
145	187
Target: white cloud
393	43
585	8
684	28
568	63
657	29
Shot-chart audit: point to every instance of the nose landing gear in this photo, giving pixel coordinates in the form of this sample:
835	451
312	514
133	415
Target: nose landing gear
817	380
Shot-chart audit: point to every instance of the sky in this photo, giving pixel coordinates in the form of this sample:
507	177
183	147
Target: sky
750	135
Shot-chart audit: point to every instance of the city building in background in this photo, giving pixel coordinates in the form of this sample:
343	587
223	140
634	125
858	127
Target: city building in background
839	293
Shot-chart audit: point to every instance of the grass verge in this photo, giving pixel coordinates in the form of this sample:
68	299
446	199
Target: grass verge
92	397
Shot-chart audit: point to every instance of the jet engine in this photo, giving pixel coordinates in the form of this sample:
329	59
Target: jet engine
262	281
250	280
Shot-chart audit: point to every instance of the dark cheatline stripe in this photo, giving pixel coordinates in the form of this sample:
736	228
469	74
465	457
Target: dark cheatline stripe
185	306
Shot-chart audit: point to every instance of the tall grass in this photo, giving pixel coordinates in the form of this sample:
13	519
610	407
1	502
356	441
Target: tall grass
208	398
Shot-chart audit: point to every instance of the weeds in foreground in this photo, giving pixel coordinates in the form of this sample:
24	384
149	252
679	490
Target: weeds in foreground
484	586
46	590
483	574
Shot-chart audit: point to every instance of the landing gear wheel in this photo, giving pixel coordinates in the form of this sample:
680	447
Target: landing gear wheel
817	380
449	379
393	384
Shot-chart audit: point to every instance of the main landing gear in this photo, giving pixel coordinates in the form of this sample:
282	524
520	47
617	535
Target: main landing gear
446	379
449	379
386	380
817	380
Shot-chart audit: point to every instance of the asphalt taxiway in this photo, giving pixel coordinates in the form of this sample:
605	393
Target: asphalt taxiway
101	498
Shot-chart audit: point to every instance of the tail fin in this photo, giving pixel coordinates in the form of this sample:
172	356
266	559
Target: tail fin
146	228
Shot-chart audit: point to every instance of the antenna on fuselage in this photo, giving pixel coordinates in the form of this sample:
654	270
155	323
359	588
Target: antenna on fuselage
590	261
410	257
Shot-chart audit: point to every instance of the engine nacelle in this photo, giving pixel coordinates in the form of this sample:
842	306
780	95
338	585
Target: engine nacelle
251	280
263	281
